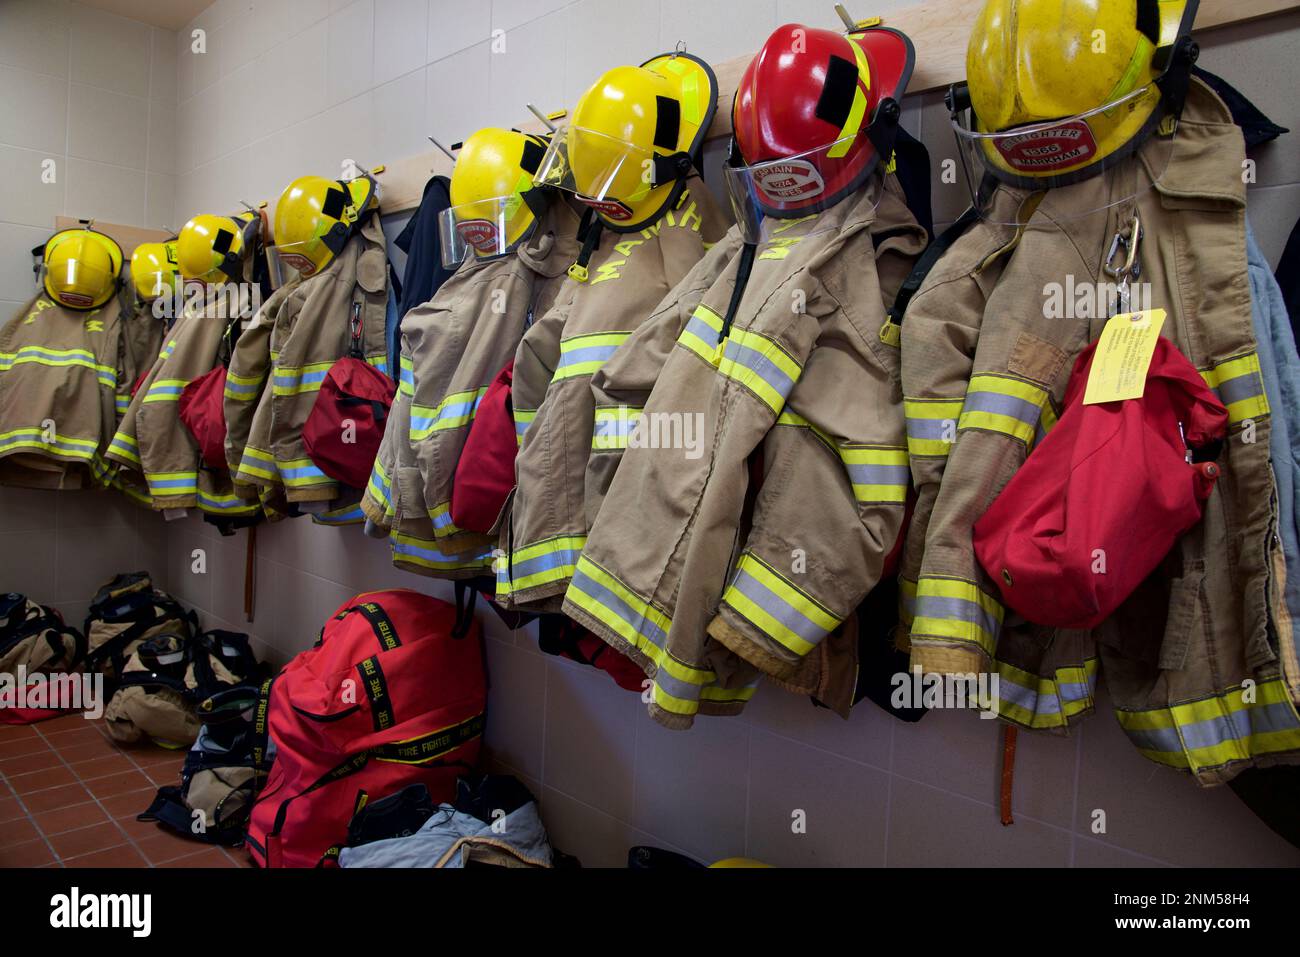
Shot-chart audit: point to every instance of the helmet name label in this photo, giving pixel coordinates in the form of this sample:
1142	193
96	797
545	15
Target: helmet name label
1044	151
790	180
613	208
482	234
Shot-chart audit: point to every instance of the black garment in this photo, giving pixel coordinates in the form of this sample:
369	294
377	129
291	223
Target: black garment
488	796
912	170
1255	126
1288	277
424	272
1273	794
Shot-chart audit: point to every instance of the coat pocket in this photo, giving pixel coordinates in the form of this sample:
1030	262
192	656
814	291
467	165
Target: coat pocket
1184	625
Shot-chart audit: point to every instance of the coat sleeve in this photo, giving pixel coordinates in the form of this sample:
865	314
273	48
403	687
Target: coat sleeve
461	341
832	501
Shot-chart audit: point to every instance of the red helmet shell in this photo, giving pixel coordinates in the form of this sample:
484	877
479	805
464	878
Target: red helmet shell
808	88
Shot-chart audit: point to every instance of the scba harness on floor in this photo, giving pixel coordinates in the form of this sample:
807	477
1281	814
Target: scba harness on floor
393	694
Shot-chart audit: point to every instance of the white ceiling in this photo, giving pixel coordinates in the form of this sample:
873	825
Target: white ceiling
168	14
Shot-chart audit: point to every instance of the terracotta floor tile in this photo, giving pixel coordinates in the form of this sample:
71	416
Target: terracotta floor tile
17	747
116	784
24	784
12	732
87	840
164	846
10	809
55	798
31	854
68	722
162	775
139	831
70	818
241	857
90	751
103	767
130	804
76	738
27	763
124	856
208	857
18	832
152	757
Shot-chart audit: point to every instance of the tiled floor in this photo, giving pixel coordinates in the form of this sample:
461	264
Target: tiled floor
69	796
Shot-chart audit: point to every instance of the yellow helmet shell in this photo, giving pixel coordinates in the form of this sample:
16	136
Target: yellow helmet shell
80	268
494	164
661	108
209	247
154	272
1032	61
314	217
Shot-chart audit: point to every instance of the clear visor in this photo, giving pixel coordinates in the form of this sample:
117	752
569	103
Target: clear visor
290	262
1068	152
481	230
767	197
603	172
75	283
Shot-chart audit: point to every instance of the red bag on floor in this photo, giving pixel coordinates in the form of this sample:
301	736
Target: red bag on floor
393	694
202	410
346	424
485	474
1111	483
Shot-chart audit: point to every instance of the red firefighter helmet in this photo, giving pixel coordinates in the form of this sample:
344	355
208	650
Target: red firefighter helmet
814	112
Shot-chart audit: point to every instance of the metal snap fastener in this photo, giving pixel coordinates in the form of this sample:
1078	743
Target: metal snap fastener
1006	576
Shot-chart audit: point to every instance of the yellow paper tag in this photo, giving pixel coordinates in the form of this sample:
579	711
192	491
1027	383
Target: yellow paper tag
1119	368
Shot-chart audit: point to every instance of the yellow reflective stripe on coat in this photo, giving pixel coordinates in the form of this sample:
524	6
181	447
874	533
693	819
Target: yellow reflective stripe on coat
440	516
259	463
761	366
996	403
380	486
425	554
166	390
879	473
777	607
544	562
243	388
60	359
701	334
793	420
455	411
584	355
406	374
1034	701
678	687
1214	731
166	484
931	425
218	504
612	427
1239	385
125	446
300	473
906	601
49	442
955	609
523	419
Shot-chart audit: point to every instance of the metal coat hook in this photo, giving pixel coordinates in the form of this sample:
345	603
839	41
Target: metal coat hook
546	120
450	155
679	49
849	23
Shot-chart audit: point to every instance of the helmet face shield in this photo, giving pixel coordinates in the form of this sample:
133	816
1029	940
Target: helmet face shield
1062	152
764	195
606	173
481	230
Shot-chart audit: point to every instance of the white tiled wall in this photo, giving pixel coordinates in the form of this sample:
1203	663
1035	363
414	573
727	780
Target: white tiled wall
293	86
96	95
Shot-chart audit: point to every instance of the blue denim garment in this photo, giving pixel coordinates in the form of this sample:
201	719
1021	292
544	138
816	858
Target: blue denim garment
1280	367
